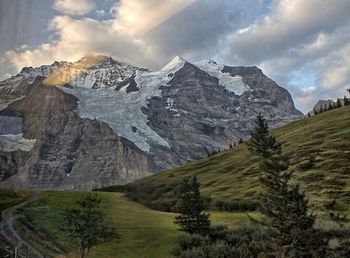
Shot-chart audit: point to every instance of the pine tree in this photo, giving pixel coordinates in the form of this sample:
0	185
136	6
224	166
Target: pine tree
190	206
330	106
338	105
290	225
308	114
346	101
240	141
261	141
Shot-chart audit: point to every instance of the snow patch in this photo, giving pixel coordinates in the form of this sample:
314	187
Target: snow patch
231	83
15	142
174	65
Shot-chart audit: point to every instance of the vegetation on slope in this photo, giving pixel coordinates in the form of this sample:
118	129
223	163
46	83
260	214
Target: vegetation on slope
319	150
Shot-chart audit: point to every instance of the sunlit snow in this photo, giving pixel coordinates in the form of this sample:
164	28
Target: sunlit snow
231	83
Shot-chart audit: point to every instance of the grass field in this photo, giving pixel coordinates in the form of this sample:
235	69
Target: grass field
144	232
319	148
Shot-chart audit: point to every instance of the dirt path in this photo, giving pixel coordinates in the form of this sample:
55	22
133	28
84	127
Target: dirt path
7	227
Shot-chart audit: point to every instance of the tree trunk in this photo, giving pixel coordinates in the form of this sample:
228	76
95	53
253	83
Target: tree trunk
82	251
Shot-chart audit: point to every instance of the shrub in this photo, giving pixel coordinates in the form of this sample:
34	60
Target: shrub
236	205
222	242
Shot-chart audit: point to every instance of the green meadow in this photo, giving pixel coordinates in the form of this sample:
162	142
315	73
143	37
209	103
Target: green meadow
143	232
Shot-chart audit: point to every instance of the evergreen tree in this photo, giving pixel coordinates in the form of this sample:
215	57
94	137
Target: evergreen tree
261	141
330	106
308	114
240	141
338	105
290	225
190	206
346	101
315	111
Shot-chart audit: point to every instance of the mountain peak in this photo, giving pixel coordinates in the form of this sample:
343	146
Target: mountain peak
177	62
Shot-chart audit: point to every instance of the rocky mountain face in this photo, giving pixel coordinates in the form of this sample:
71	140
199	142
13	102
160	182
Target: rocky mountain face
99	122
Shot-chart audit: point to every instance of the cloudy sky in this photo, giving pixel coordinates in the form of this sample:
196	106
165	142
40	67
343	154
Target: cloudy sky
303	45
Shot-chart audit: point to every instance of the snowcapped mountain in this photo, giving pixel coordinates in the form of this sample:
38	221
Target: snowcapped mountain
98	122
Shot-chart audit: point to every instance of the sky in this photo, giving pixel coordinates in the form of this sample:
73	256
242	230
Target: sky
302	45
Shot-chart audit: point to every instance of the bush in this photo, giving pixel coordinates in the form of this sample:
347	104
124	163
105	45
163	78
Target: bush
188	242
236	205
222	242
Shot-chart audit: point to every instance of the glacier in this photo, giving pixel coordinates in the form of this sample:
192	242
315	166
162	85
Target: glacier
121	110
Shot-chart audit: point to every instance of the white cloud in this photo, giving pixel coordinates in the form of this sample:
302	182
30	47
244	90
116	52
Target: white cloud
139	16
335	69
289	24
120	37
74	7
78	37
298	35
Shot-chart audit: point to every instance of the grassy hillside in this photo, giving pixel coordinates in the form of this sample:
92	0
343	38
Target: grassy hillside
144	232
319	148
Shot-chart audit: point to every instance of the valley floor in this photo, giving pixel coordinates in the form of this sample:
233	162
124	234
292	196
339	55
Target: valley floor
143	232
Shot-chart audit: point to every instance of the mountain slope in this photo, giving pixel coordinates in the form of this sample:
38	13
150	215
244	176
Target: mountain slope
319	148
160	118
70	152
